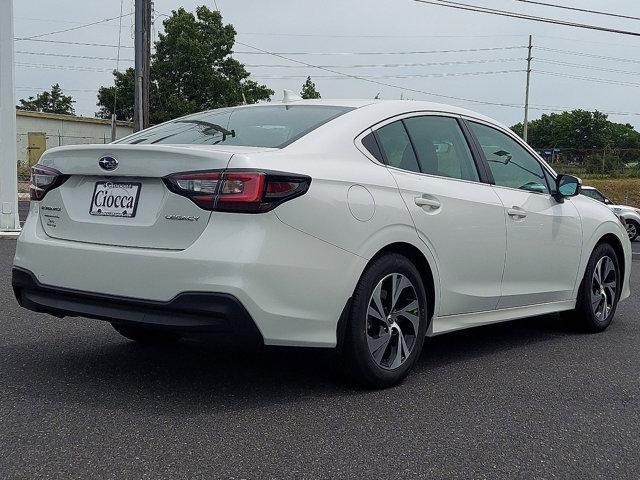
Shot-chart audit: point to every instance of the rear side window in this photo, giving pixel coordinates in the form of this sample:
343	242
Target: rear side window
371	144
396	147
254	126
441	147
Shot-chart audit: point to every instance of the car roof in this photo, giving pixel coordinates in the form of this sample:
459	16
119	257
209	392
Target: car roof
378	108
387	108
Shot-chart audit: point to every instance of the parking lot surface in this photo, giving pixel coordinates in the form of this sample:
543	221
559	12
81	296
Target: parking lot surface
526	399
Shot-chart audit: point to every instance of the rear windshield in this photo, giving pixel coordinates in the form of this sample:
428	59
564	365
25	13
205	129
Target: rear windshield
255	126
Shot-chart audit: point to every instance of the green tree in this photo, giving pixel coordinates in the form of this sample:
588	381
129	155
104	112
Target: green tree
53	101
192	70
579	129
309	89
124	86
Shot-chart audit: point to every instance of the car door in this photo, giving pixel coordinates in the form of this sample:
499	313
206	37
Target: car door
544	236
459	218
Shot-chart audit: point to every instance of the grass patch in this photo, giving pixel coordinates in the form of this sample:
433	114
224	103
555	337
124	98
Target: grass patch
623	191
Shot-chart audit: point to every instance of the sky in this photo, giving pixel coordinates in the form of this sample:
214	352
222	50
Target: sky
346	35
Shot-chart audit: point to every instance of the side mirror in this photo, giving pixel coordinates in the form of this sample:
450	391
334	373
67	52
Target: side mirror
567	186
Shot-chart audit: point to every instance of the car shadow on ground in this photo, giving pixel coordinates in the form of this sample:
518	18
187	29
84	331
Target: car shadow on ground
201	376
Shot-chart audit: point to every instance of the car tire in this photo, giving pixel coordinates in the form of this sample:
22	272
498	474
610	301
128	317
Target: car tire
599	291
633	229
381	348
147	336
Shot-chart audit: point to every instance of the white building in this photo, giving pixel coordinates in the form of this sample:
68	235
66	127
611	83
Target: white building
38	132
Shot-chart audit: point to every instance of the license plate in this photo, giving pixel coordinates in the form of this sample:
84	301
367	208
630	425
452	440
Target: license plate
115	199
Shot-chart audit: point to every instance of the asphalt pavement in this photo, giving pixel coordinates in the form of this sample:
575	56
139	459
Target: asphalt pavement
526	399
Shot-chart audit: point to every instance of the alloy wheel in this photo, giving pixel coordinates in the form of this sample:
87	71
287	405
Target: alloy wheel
632	230
603	288
393	321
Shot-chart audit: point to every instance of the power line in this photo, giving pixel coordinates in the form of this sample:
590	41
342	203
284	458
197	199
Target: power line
377	82
407	52
445	74
567	109
590	79
396	65
582	65
86	90
63	67
590	55
582	41
539	107
426	75
65	42
382	65
52	20
399	87
505	13
555	108
576	9
364	35
370	35
72	28
64	55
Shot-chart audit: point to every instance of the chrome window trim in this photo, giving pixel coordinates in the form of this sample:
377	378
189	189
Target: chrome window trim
402	116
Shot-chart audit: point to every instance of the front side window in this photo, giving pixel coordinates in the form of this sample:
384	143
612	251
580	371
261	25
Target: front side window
511	165
551	180
396	147
252	126
441	147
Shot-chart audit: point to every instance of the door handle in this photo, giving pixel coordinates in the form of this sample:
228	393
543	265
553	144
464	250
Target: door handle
516	212
427	202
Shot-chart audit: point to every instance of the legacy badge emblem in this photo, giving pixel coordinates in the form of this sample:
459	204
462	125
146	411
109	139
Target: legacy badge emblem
184	218
108	163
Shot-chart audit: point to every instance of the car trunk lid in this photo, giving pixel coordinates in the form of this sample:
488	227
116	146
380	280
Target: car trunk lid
129	205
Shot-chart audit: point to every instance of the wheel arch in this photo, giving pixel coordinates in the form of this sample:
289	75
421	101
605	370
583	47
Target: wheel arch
419	259
616	244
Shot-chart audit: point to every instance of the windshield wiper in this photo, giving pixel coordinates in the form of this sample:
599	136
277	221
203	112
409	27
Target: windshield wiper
211	128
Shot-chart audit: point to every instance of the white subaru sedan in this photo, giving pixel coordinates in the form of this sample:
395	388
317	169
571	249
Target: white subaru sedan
358	225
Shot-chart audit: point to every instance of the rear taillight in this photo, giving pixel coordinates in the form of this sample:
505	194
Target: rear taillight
238	190
44	179
200	187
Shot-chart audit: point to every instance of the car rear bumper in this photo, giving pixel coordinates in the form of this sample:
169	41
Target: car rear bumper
188	312
294	297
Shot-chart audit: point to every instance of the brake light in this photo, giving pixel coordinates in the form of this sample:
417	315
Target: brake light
44	179
238	190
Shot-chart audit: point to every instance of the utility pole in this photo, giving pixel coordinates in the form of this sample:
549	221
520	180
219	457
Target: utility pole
142	63
114	127
114	118
526	97
9	220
